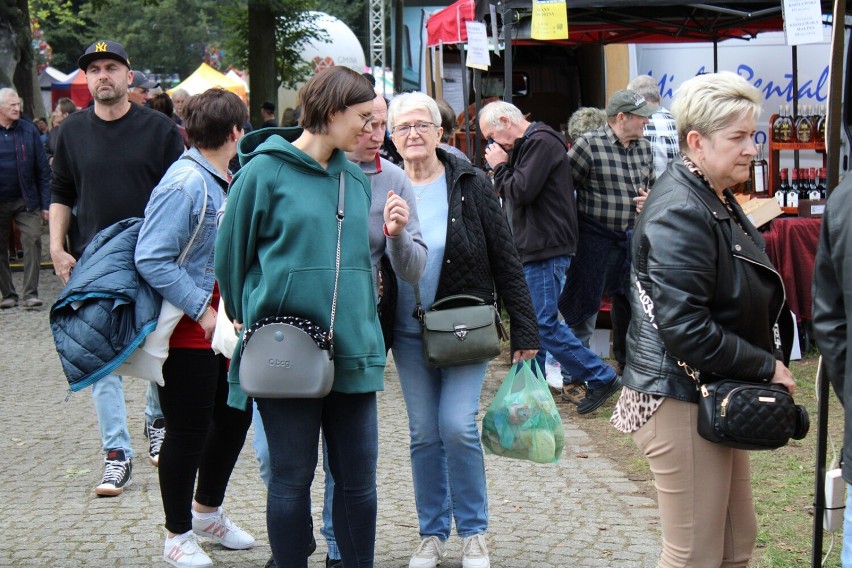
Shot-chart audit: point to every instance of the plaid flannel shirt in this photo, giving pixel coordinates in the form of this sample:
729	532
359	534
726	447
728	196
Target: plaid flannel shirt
661	132
606	175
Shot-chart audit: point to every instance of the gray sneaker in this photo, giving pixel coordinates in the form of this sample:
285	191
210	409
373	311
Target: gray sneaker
8	302
475	552
431	552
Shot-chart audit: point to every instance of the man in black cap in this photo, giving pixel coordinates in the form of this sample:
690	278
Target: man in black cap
109	157
612	169
267	112
139	88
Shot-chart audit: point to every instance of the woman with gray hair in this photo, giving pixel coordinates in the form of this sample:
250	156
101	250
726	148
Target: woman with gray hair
471	251
585	119
706	297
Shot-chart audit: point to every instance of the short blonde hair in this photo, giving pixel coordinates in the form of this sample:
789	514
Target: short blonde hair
408	102
708	103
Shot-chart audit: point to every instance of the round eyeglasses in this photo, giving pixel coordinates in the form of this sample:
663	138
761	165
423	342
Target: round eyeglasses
405	129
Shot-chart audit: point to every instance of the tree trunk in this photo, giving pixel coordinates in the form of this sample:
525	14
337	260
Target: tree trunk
23	78
261	45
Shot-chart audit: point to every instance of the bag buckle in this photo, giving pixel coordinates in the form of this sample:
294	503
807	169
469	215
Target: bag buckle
460	331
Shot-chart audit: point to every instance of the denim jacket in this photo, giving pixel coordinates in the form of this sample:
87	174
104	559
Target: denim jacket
171	218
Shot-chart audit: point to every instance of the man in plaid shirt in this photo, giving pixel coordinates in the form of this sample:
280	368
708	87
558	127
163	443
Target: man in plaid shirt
612	170
660	130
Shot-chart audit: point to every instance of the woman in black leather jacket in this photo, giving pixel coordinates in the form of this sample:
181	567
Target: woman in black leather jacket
705	294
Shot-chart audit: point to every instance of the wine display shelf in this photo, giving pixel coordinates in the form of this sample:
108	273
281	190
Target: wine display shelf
774	159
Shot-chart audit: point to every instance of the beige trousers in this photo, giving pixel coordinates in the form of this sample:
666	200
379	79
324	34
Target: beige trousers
703	491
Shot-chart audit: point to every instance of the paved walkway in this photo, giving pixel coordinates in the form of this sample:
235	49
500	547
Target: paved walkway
579	512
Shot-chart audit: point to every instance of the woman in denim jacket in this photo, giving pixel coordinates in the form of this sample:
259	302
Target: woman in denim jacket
204	435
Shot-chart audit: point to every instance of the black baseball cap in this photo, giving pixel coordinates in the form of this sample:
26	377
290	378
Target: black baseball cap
103	49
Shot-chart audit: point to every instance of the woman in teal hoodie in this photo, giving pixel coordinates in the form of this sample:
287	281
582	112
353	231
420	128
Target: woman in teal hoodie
275	256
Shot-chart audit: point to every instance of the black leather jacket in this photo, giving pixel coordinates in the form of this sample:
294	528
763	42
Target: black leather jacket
702	292
832	308
480	252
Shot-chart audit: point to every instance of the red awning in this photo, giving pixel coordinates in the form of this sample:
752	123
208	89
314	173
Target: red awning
447	26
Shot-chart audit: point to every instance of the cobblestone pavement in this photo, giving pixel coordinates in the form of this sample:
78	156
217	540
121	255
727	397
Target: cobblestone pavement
579	512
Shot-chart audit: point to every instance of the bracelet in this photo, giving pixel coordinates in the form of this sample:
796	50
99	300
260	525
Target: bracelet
209	309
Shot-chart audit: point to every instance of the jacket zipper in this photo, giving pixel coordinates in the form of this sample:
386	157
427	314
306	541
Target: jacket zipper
775	272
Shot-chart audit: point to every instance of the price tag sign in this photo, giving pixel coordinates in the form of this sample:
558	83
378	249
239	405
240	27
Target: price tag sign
478	56
803	22
549	19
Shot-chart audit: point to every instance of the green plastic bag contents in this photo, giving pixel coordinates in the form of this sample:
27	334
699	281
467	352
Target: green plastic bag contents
522	421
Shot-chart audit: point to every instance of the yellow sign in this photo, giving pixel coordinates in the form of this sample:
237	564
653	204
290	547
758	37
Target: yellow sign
549	19
100	46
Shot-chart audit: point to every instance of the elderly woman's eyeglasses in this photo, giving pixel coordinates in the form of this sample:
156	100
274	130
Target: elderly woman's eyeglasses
405	129
366	118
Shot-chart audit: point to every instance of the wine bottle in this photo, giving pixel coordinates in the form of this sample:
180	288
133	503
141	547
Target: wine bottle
781	193
813	190
782	127
804	127
758	173
793	193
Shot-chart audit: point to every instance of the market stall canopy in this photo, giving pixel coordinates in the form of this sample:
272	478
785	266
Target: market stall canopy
231	74
205	77
51	75
447	26
75	88
622	21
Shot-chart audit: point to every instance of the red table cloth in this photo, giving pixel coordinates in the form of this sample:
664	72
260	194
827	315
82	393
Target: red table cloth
791	245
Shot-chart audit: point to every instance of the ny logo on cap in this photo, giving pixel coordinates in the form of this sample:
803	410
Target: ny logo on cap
101	46
639	100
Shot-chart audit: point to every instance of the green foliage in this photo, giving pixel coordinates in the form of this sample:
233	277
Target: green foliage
164	36
292	31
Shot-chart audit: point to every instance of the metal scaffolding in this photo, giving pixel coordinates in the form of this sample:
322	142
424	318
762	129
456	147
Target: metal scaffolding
378	43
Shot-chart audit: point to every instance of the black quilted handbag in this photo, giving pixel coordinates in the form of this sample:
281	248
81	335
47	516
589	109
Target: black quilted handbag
749	416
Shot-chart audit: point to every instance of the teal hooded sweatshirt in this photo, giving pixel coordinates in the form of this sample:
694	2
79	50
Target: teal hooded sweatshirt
276	247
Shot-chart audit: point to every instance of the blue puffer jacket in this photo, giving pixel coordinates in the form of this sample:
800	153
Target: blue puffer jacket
106	310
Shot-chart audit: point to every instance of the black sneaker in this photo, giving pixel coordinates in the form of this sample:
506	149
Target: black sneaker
155	433
596	397
117	471
332	563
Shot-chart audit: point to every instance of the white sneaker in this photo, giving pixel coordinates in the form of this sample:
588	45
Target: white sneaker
431	552
182	550
475	553
222	530
553	374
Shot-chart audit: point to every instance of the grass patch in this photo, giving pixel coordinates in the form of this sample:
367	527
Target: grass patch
782	480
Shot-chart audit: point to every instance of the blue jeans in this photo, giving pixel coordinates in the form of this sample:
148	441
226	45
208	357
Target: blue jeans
447	465
846	554
261	450
545	279
619	312
350	425
108	396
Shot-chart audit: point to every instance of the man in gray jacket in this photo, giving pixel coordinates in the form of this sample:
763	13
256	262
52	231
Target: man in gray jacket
832	319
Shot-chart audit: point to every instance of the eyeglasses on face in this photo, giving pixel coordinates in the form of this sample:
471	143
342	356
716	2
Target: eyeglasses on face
368	118
405	129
